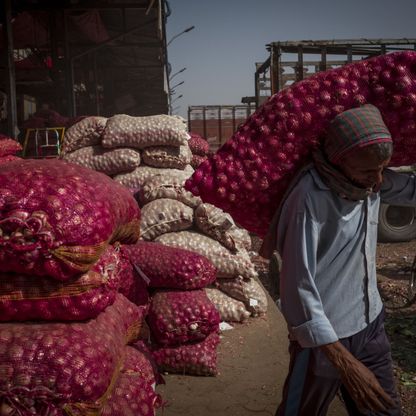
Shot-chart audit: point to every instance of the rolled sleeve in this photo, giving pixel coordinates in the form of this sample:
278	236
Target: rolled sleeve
314	333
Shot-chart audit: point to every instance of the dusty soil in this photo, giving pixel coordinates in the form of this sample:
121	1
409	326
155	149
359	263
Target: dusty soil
394	264
252	358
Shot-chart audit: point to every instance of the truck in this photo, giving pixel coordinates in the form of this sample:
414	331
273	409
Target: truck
292	61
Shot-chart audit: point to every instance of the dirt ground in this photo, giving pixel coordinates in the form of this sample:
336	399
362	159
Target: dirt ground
394	263
252	357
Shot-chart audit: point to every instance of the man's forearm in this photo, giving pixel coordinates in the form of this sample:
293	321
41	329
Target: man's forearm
338	355
360	382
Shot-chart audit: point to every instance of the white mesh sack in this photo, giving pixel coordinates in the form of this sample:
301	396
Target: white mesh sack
168	156
164	216
248	291
138	177
228	265
108	161
241	237
215	223
123	130
168	186
86	132
230	309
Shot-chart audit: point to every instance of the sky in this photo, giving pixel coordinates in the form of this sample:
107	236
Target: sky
230	36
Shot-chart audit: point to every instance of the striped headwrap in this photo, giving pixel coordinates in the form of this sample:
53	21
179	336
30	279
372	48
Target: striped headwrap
358	127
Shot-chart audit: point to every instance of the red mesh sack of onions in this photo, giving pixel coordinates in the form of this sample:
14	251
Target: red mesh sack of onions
140	360
198	145
177	317
56	218
133	393
72	362
249	174
9	158
197	160
8	146
198	359
23	297
169	267
133	285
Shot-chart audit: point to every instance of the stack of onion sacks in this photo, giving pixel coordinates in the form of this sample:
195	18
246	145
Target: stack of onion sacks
183	322
249	174
61	288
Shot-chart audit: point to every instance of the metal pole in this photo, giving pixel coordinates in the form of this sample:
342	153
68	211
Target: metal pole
11	75
233	118
69	71
299	69
323	59
189	120
97	93
220	125
204	118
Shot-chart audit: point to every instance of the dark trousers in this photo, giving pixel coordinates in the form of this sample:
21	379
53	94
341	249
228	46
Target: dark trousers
313	382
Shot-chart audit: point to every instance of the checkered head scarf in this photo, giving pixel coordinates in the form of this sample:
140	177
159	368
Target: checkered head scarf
355	128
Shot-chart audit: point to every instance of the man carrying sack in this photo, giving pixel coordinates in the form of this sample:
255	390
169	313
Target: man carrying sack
326	233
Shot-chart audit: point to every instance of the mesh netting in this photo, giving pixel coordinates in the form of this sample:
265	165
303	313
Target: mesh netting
123	130
9	147
168	156
86	132
227	264
198	145
111	162
57	218
177	317
68	362
198	359
230	309
169	267
23	297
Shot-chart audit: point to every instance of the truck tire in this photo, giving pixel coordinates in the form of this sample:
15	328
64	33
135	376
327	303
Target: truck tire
396	224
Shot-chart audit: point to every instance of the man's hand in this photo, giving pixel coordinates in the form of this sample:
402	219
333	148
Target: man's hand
360	382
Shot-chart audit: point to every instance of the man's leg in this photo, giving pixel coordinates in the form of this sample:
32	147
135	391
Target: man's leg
305	393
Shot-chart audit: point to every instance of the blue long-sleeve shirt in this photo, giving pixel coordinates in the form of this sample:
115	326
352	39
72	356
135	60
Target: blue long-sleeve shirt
328	282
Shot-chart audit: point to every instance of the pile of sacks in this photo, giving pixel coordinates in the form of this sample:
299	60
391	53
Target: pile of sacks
199	148
70	305
9	148
183	322
171	215
174	217
129	149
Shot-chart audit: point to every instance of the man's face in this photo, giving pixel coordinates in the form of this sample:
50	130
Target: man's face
364	168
